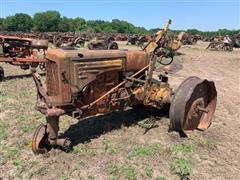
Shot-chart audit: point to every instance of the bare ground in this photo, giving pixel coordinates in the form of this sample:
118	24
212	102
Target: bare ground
115	146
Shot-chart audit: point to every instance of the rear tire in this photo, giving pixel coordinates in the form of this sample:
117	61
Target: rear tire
193	105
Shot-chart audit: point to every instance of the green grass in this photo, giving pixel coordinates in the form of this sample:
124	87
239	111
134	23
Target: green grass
78	150
210	144
183	147
3	132
38	116
149	172
160	178
42	171
28	128
143	151
63	177
10	152
28	93
32	163
181	167
108	147
84	150
123	171
21	118
20	164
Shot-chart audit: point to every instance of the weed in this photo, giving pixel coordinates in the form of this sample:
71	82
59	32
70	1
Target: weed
210	144
160	178
90	177
10	152
83	150
125	171
149	172
181	167
38	116
21	118
3	94
92	152
185	148
3	133
27	93
20	165
108	147
42	171
148	150
64	177
28	128
33	163
78	150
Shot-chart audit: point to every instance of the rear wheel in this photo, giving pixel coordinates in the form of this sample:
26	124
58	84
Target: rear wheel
193	105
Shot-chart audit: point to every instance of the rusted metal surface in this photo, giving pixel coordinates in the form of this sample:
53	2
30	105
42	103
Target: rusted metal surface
80	83
193	105
219	46
39	140
23	52
106	43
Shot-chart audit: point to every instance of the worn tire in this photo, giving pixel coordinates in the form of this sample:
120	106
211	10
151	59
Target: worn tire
183	115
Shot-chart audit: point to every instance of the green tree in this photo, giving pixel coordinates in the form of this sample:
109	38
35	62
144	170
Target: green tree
77	24
1	24
47	21
64	25
18	22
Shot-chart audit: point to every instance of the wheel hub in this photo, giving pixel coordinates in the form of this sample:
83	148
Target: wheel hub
193	105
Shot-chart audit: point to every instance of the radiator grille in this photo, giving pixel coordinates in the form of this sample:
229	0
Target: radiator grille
52	78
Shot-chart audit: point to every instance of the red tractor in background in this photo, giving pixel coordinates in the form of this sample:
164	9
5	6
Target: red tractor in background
23	52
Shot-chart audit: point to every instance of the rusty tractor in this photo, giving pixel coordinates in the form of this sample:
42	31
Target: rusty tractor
23	52
189	39
81	83
101	44
219	46
138	40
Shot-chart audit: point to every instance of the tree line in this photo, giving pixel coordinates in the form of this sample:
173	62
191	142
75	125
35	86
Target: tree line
52	21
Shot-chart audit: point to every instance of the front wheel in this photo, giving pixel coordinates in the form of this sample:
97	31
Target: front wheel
193	105
39	140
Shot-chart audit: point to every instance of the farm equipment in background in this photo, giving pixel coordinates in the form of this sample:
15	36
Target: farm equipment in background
219	46
236	40
138	40
187	39
80	83
101	44
23	52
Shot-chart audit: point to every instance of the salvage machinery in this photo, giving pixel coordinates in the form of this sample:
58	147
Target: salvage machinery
23	52
80	83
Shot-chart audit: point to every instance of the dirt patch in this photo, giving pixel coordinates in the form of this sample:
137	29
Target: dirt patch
115	146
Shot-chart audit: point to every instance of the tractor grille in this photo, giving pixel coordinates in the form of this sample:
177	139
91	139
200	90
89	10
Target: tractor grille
52	78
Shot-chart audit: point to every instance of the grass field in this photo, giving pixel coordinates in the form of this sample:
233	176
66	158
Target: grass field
114	146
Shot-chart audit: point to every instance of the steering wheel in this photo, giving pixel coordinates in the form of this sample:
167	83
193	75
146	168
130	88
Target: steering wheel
168	56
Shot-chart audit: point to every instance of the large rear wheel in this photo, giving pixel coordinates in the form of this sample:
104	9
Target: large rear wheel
193	105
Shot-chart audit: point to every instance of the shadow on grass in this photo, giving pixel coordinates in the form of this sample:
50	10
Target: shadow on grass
93	127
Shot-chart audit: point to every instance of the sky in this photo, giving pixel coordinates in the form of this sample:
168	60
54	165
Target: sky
206	15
